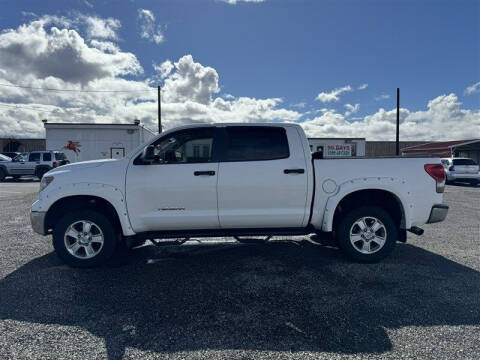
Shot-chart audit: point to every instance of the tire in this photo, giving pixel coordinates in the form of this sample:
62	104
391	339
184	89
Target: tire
2	175
367	246
474	182
40	172
100	225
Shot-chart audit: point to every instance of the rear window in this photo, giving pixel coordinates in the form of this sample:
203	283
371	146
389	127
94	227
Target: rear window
60	156
464	162
255	143
47	157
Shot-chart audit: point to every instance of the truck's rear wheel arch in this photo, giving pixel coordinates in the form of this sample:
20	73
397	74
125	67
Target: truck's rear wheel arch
81	202
371	197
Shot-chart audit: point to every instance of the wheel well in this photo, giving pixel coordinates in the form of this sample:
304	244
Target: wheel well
382	198
81	202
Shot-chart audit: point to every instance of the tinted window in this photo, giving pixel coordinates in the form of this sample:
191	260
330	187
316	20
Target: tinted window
47	157
463	162
34	157
185	146
60	156
247	143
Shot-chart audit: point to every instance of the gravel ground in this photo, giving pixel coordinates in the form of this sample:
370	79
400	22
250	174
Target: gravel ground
219	301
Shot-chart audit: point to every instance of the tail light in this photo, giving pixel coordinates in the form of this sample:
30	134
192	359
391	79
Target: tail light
437	172
451	168
54	164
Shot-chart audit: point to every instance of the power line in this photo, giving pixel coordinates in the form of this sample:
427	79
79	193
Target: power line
75	90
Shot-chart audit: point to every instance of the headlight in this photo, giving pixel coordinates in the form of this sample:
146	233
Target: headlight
46	180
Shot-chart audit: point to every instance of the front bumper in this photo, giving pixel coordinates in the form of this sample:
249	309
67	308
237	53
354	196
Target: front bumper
37	219
438	213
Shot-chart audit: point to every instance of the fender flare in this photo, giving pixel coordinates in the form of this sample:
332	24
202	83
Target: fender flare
397	187
109	193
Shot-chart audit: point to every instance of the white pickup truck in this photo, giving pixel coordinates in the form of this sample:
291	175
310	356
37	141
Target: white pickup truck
235	180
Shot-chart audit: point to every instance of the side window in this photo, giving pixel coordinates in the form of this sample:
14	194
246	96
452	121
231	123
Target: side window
34	157
185	146
256	143
47	157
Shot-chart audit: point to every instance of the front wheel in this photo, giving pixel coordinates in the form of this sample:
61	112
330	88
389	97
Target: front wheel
84	239
367	234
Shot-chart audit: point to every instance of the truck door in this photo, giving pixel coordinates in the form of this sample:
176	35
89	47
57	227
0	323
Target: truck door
178	190
262	178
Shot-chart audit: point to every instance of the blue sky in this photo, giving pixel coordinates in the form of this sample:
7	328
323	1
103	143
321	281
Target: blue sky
295	50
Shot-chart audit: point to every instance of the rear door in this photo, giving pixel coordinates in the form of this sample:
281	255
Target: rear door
262	180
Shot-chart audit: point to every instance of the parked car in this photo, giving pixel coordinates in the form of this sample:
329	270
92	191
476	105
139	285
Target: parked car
4	158
32	163
11	155
235	180
461	169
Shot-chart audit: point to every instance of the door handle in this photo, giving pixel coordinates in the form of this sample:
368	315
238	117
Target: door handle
293	171
208	173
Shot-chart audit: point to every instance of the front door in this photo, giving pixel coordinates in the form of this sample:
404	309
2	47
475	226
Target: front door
22	165
178	189
262	181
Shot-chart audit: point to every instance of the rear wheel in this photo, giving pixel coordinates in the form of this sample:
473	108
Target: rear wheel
474	182
367	234
84	239
2	174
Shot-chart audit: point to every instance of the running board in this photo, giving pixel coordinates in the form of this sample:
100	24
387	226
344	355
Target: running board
178	234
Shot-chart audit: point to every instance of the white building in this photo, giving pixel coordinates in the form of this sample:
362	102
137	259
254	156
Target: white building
88	141
338	147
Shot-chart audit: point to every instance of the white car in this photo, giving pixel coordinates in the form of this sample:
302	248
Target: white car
461	169
235	180
35	163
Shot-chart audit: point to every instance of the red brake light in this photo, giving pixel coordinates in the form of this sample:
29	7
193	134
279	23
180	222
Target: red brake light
54	164
437	172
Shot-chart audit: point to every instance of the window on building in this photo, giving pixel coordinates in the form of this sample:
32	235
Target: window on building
250	143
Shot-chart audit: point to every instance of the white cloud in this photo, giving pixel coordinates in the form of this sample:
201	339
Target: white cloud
382	97
300	105
362	87
333	95
472	88
164	69
351	109
148	28
34	52
443	120
101	28
235	2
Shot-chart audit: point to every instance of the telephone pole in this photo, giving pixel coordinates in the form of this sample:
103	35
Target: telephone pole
159	110
397	143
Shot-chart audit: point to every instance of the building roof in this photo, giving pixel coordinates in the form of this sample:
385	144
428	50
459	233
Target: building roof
439	146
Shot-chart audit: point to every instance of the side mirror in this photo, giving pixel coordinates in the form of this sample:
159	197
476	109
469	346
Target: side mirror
148	153
317	155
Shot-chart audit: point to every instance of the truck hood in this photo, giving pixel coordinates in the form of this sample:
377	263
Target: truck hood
85	164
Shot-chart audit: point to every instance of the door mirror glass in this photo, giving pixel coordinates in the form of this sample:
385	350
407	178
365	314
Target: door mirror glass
148	154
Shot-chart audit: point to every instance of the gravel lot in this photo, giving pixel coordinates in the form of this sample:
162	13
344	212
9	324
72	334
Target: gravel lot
275	301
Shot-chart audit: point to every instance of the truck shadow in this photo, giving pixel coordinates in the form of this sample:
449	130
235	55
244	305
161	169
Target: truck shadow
278	297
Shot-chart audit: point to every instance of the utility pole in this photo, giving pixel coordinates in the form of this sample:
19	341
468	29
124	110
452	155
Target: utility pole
159	110
398	123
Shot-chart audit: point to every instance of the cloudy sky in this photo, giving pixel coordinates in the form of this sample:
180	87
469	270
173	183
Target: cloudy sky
332	66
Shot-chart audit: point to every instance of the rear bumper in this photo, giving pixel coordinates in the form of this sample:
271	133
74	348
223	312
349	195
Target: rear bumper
438	213
37	219
454	176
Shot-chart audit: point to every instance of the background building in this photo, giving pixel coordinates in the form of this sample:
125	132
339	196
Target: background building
88	141
21	145
387	148
338	147
459	148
